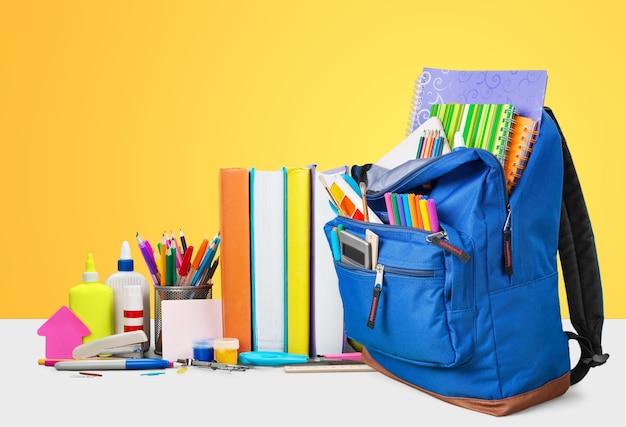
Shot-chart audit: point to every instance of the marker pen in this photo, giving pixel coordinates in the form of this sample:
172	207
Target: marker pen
117	364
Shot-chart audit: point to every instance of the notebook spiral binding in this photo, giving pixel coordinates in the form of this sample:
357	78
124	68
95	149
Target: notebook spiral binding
416	102
504	140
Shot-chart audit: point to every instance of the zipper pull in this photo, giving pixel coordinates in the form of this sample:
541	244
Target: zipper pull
378	288
437	239
506	236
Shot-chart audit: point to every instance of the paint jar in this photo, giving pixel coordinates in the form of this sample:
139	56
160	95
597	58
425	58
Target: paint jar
226	350
203	349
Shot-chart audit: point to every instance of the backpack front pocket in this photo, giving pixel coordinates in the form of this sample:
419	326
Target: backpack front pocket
417	304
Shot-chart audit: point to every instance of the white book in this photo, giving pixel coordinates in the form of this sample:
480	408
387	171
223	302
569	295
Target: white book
327	327
268	262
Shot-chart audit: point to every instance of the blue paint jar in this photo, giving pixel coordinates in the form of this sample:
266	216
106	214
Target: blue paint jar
203	349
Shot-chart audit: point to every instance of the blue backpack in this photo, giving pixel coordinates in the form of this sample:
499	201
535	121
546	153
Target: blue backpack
471	314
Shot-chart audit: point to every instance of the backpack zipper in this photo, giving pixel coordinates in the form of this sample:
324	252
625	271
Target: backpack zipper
508	248
437	239
378	289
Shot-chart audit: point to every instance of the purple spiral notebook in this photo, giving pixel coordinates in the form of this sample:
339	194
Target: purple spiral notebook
525	89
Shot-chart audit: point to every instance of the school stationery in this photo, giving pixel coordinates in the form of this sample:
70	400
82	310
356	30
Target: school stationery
213	365
345	194
411	147
485	126
131	311
470	314
276	358
525	89
114	364
124	344
186	320
64	331
523	136
92	302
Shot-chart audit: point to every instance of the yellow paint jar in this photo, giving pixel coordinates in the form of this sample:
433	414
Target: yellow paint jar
226	350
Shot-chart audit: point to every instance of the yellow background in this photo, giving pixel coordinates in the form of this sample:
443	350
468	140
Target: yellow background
115	116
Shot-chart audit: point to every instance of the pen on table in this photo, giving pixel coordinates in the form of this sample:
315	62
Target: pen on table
51	362
343	356
90	374
115	364
146	251
363	189
183	271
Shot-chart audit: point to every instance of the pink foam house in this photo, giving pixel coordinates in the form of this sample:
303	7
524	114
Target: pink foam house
64	331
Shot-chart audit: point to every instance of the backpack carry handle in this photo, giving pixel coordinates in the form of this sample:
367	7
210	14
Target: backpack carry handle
581	272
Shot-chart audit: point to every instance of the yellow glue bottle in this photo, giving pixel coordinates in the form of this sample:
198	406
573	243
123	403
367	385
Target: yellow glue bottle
92	302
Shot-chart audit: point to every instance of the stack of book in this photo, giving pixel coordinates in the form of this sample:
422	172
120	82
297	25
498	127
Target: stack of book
279	288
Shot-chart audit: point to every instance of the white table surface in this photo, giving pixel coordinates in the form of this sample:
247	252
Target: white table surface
34	393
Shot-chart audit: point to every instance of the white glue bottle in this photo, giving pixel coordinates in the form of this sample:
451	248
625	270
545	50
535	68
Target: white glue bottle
127	277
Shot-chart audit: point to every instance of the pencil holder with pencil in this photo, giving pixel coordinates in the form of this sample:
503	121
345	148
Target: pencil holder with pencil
163	293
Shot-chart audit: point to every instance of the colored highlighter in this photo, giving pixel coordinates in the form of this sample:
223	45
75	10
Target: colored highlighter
424	211
432	215
334	242
389	206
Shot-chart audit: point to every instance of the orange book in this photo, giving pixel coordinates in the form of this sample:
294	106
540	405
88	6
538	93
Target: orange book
522	140
234	210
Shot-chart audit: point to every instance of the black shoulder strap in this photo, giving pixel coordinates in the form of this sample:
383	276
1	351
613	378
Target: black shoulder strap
581	272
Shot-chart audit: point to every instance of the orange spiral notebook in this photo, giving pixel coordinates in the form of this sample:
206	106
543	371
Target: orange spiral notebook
522	139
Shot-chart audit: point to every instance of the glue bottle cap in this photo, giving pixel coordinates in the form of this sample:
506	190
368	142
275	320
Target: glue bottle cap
125	263
90	274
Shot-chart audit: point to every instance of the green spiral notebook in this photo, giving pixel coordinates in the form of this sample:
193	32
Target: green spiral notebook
486	126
